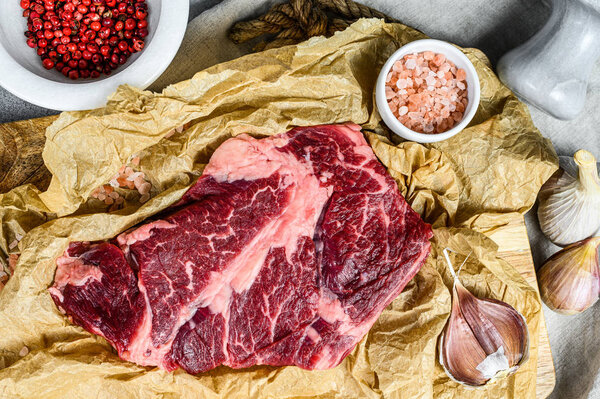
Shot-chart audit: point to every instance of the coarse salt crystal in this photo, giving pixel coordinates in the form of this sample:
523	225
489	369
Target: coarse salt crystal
170	133
403	110
3	277
144	188
411	64
24	351
134	176
389	92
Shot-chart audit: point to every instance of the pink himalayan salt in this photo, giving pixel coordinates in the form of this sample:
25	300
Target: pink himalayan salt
12	262
426	92
128	178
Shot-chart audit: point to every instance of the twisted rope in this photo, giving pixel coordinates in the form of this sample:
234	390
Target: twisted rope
298	20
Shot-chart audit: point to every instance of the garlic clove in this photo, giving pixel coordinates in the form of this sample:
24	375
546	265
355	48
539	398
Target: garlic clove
569	206
484	339
456	341
570	279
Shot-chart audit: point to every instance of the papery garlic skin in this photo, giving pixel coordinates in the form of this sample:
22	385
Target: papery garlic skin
569	207
484	339
570	279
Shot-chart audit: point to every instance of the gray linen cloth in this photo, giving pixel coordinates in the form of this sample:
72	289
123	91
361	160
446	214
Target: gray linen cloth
492	26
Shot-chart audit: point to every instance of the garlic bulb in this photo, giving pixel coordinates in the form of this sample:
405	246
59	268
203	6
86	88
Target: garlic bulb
569	207
484	339
570	279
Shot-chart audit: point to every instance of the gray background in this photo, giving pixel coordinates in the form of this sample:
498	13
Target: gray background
492	26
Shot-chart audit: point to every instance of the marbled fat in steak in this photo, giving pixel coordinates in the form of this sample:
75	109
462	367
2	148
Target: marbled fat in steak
284	252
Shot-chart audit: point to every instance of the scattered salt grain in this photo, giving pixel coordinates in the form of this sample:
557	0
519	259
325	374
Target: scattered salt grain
24	351
126	178
170	133
12	262
134	176
145	188
3	277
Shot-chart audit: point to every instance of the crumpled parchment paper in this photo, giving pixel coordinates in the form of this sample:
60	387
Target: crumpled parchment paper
464	186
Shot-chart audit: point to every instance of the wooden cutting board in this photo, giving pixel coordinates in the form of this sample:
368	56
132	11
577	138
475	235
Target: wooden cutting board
514	248
21	145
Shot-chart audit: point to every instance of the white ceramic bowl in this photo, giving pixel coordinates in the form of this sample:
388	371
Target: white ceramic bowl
22	73
453	54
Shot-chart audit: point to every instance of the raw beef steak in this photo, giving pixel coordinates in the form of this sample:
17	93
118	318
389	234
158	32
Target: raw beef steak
284	252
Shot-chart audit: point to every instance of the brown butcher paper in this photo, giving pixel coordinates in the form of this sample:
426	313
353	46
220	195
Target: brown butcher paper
464	186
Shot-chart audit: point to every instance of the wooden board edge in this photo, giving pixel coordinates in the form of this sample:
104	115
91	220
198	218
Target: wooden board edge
513	243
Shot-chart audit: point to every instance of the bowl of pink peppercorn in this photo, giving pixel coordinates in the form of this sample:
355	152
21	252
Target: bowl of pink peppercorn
72	54
427	91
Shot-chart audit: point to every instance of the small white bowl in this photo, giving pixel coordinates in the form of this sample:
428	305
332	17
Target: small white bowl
453	54
22	73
